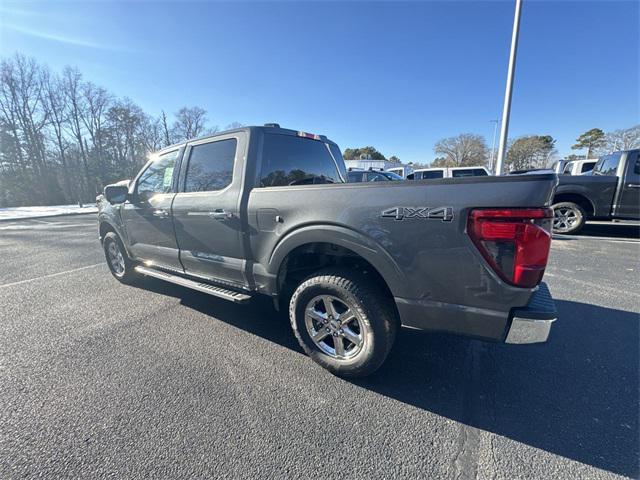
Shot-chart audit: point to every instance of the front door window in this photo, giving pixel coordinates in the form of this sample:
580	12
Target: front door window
158	177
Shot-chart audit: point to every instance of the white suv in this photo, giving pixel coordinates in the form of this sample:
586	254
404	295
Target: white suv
447	172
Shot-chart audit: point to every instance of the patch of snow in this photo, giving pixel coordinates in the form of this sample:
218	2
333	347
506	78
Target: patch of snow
19	213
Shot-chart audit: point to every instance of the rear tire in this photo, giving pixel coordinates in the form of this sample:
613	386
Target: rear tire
119	263
343	322
568	218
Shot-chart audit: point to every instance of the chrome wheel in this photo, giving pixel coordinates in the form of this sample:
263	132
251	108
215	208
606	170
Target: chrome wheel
116	259
566	219
334	327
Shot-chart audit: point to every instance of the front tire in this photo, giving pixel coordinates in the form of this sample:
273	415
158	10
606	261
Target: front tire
568	218
343	322
119	263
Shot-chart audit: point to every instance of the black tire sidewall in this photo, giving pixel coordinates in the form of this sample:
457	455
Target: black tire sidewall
128	275
369	310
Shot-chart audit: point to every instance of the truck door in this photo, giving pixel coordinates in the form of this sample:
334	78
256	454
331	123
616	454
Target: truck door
629	198
147	217
206	209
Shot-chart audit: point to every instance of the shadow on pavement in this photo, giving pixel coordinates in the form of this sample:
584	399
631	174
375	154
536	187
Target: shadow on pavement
576	396
611	229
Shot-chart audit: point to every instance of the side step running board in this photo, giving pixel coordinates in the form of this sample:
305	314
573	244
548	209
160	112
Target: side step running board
220	292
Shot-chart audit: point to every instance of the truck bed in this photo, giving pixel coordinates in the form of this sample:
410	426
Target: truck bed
417	255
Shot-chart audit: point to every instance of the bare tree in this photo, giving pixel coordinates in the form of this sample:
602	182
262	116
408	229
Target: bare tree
56	106
190	123
126	141
623	139
462	150
8	110
60	130
96	101
152	133
72	83
166	133
26	116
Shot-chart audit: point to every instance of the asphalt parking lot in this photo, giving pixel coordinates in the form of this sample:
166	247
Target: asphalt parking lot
100	380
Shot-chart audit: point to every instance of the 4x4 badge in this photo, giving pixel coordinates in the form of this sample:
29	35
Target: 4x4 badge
400	213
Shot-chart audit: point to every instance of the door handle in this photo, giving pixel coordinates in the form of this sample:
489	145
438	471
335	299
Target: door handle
160	213
633	185
220	214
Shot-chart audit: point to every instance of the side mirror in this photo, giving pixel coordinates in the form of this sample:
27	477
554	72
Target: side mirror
116	193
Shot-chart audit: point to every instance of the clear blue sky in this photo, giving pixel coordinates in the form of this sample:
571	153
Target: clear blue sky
397	76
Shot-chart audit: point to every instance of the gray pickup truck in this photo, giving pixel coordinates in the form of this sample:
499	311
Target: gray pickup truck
267	210
611	191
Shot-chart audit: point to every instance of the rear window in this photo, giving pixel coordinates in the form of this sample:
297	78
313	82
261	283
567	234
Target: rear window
289	160
587	167
607	165
469	172
431	174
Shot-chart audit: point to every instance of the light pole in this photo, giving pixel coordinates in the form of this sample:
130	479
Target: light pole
504	131
493	144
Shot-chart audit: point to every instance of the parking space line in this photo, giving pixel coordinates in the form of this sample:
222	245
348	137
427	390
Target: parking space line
13	284
49	226
608	239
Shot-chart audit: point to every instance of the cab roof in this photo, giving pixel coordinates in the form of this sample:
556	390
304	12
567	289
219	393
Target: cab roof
270	128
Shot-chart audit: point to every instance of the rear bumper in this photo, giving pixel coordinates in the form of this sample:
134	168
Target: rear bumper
529	324
532	323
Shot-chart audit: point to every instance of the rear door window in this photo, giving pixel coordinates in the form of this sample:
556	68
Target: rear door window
211	166
607	165
469	172
633	169
355	177
289	160
586	167
432	174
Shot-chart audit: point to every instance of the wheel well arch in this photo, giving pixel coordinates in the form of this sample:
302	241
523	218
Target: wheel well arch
576	198
106	227
309	257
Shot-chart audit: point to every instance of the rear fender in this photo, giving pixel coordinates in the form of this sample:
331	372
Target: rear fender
358	243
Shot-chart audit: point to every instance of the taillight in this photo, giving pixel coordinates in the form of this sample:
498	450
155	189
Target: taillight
514	241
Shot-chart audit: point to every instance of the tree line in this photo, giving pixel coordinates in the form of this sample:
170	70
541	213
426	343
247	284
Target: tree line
529	151
62	138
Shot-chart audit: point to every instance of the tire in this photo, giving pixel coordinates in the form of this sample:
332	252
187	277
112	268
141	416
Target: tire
368	325
119	263
568	218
